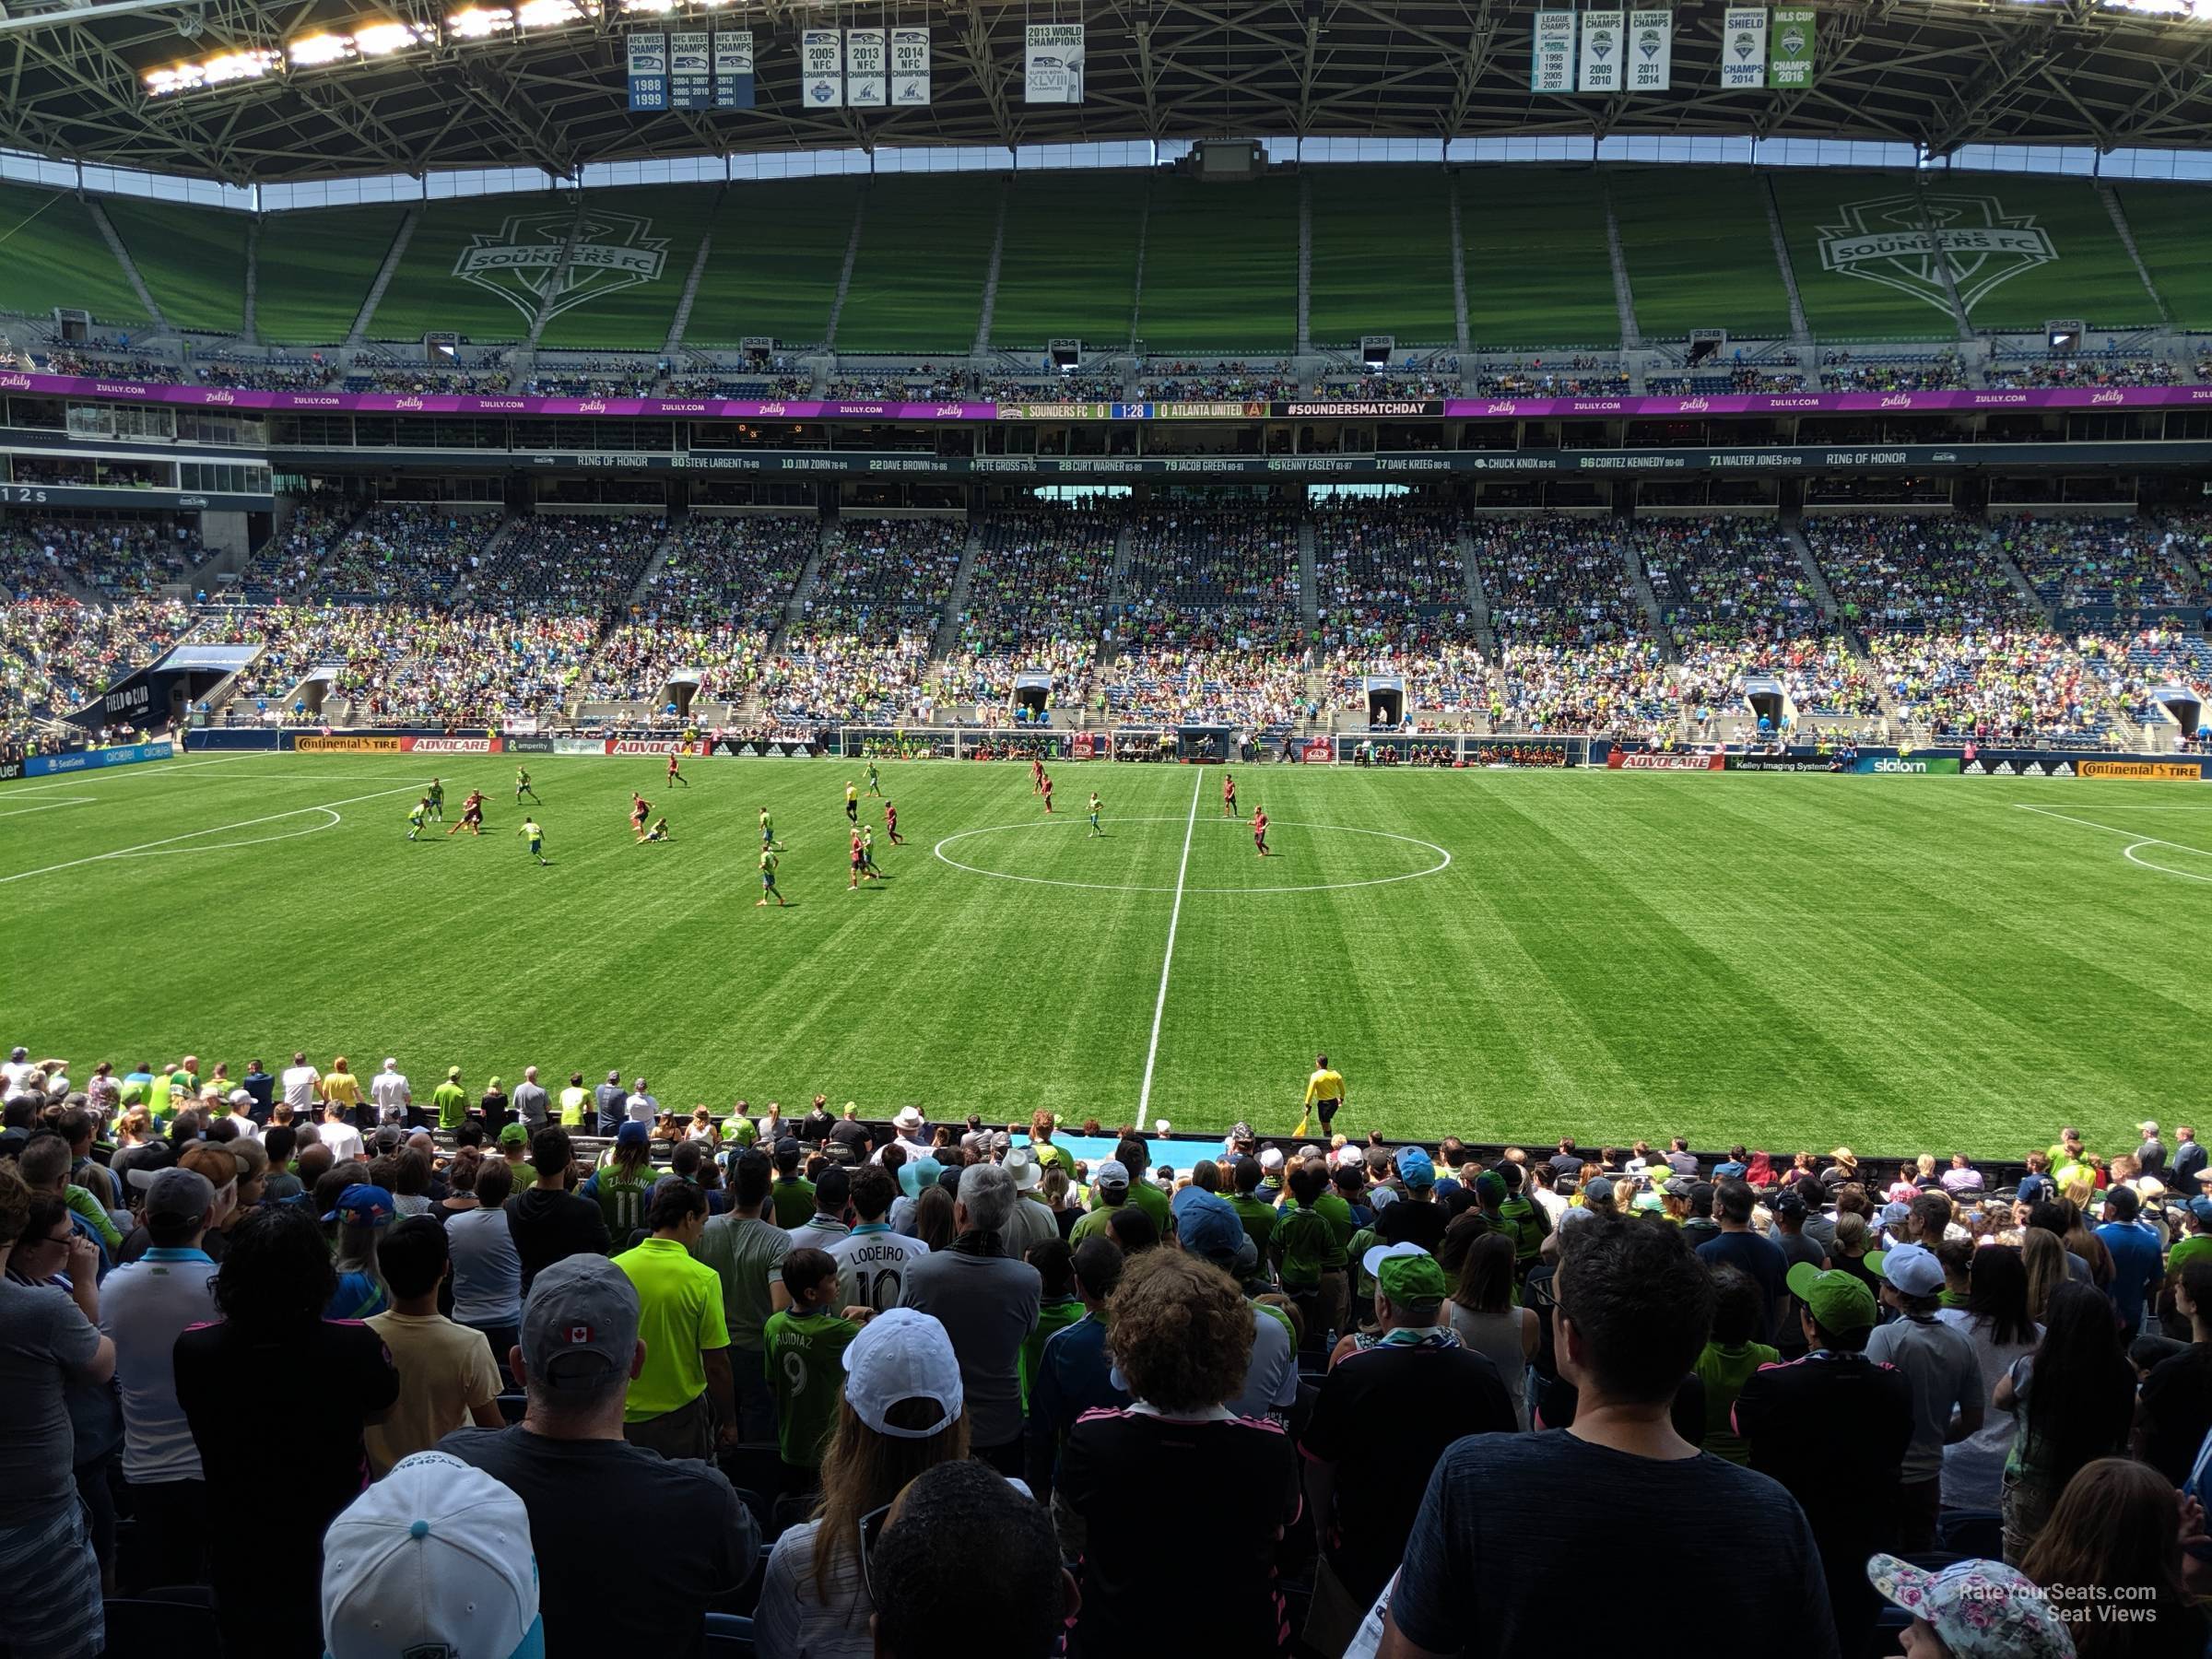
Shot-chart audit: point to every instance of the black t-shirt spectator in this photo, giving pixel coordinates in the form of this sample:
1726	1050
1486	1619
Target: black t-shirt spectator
549	1226
1417	1223
2177	1398
1762	1261
328	1379
817	1127
633	1547
1383	1417
1506	1512
1211	1561
1832	1429
851	1134
1565	1163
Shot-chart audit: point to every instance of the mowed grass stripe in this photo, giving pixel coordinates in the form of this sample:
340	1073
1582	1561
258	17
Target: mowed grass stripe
1894	962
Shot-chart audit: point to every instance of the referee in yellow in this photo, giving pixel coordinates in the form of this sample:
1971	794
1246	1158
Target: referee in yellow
1324	1094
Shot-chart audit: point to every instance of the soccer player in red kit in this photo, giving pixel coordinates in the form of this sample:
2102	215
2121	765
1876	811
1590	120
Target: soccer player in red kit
1048	794
1259	830
1035	775
472	814
640	810
1228	795
674	776
890	825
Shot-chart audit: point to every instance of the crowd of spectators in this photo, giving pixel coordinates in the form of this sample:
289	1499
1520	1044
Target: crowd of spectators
2121	565
1392	599
595	377
1094	387
739	383
1587	375
815	1372
1217	382
2020	684
1212	630
928	383
711	607
415	380
1440	379
2100	369
1940	371
1723	377
860	651
112	558
1037	602
57	654
1910	573
308	373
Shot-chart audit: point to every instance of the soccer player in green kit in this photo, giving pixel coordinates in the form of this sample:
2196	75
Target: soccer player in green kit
435	795
806	1348
1094	817
522	786
768	877
416	814
537	838
874	788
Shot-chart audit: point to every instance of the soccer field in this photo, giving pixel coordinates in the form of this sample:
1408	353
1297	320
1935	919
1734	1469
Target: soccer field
1897	963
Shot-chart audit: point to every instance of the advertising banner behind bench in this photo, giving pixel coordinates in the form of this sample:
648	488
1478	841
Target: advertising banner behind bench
76	760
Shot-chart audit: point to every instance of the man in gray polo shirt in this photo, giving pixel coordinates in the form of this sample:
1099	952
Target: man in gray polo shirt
529	1104
987	1302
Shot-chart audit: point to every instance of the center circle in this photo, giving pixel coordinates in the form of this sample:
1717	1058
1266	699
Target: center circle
1443	858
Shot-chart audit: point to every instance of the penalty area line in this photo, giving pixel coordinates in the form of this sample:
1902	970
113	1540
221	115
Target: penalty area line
196	834
1167	960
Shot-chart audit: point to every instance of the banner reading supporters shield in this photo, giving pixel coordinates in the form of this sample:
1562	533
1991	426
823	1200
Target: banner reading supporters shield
1552	64
648	70
1053	63
1791	45
691	70
733	68
910	67
1601	50
822	68
1651	55
1743	47
866	84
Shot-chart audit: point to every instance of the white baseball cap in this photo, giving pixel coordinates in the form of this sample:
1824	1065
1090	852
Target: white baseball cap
900	1355
433	1559
1271	1159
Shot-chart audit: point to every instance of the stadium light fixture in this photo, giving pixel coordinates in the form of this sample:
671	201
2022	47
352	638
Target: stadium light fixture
380	39
479	23
551	14
316	50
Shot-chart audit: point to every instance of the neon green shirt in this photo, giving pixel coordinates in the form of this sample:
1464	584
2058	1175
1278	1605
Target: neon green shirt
679	1320
452	1101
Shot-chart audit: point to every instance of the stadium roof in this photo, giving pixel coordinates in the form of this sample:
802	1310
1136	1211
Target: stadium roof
1932	73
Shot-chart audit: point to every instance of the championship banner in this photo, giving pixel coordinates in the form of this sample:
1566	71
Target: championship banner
910	67
821	68
1744	48
691	70
1650	51
1601	50
1791	45
1053	63
1552	64
733	68
648	70
1664	760
866	77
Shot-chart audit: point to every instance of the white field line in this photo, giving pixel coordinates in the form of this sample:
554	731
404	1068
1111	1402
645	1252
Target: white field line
2135	835
49	806
1167	960
196	834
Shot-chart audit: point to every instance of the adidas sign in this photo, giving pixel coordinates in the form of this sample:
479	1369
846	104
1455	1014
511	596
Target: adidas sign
2032	769
1973	769
2065	768
2002	768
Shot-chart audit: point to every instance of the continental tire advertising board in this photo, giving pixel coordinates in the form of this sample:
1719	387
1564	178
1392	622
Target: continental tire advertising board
2128	769
2154	771
351	745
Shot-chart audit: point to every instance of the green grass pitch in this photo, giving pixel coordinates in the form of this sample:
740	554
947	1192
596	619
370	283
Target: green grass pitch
1896	963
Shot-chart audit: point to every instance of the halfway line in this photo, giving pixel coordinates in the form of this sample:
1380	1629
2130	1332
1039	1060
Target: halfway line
217	829
1143	1098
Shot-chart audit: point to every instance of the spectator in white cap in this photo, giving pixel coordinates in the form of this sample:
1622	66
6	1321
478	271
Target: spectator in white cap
904	1412
669	1532
1949	1394
434	1559
910	1126
1110	1185
388	1093
1033	1222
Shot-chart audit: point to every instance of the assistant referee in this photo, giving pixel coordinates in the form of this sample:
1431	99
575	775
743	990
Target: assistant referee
1325	1091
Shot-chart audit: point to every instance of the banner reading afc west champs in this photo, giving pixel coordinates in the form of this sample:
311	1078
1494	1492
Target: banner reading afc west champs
821	68
648	69
1053	63
1792	46
909	67
1601	50
1744	48
1651	54
866	79
1551	65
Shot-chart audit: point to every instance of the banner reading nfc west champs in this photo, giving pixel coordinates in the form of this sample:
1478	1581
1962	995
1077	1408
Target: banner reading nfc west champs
1743	47
821	68
733	68
1053	63
1601	50
1650	51
910	67
864	77
1551	66
691	70
648	71
1791	47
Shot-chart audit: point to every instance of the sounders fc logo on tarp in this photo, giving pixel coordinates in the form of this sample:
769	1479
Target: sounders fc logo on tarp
1887	240
522	263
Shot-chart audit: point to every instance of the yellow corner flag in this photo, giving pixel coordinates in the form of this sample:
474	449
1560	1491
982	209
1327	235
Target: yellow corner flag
1300	1130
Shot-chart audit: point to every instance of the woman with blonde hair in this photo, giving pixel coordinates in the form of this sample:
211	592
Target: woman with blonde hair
703	1127
2045	1259
902	1412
